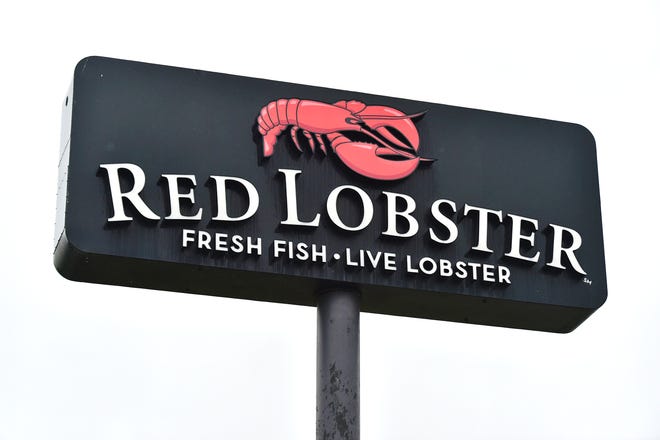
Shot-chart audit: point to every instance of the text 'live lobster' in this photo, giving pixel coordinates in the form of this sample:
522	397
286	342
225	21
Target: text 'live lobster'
375	141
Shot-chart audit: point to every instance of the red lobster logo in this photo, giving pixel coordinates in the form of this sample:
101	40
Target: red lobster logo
375	141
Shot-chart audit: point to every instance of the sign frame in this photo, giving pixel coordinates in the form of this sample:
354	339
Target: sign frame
161	103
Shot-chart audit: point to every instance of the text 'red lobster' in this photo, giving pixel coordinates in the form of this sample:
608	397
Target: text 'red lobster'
375	141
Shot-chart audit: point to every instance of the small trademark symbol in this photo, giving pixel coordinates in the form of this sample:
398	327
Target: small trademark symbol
586	280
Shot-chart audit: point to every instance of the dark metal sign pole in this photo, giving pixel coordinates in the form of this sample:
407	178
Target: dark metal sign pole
338	365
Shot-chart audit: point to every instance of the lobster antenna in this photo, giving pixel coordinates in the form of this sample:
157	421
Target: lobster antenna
414	115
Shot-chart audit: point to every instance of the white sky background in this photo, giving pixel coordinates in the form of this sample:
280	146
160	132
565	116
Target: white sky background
81	361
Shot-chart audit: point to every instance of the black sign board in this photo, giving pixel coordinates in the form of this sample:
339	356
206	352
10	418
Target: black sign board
208	183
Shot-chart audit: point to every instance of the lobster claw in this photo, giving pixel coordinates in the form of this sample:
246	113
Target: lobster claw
390	150
374	161
394	126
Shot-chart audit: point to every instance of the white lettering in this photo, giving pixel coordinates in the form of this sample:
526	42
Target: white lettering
460	270
221	189
221	242
367	208
254	247
409	265
176	196
503	273
188	237
444	221
279	247
389	262
482	241
393	214
445	268
292	200
558	249
204	240
517	237
133	195
428	265
489	272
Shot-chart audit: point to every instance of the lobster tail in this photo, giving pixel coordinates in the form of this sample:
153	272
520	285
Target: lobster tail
270	139
278	113
273	118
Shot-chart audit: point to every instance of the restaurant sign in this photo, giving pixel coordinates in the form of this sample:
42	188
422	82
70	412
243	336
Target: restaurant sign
216	184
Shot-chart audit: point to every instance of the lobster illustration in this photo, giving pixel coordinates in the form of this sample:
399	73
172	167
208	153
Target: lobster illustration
375	141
